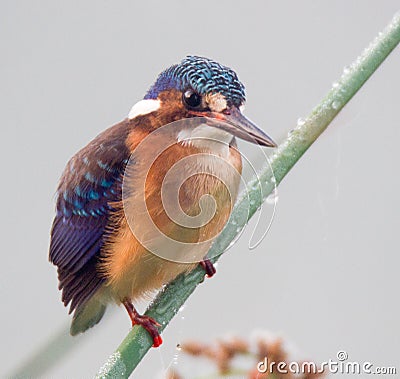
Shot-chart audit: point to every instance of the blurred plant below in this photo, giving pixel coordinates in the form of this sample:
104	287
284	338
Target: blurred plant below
237	358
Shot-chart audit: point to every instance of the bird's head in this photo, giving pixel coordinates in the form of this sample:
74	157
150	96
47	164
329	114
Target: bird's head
201	87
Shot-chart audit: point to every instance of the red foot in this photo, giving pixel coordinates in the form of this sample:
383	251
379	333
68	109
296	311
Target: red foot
208	267
145	321
157	341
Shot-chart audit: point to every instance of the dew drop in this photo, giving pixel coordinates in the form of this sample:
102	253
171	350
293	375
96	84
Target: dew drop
346	70
300	122
239	228
335	85
114	367
231	244
335	104
273	197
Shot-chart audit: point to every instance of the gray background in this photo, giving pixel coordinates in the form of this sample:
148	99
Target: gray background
325	277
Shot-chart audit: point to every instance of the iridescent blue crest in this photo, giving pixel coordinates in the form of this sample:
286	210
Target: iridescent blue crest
204	76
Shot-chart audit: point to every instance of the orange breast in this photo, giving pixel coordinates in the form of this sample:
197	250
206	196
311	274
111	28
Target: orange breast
176	202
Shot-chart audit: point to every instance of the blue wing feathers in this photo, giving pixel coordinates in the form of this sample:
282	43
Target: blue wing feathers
89	186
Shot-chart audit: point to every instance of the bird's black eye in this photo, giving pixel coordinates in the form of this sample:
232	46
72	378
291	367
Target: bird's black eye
192	99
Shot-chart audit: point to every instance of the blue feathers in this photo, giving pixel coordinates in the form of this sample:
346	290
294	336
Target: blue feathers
79	192
103	165
65	195
91	182
89	177
93	195
107	183
66	212
90	196
78	204
202	75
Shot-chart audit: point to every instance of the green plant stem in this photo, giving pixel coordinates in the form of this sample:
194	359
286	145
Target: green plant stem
133	348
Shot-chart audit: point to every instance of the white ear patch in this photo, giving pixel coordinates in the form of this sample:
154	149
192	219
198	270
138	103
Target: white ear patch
216	102
143	107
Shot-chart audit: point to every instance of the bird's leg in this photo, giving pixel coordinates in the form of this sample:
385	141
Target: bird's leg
147	322
208	267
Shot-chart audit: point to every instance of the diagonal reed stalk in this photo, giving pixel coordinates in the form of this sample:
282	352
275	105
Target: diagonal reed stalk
136	344
133	348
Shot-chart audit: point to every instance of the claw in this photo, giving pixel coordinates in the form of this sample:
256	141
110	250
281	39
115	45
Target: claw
208	267
157	341
146	322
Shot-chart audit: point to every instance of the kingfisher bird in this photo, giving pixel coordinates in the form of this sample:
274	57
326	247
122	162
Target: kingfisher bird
96	244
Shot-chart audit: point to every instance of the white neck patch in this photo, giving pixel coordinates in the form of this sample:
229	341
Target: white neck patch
143	107
207	138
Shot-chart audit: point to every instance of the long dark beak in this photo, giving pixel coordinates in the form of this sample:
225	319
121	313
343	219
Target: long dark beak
236	123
